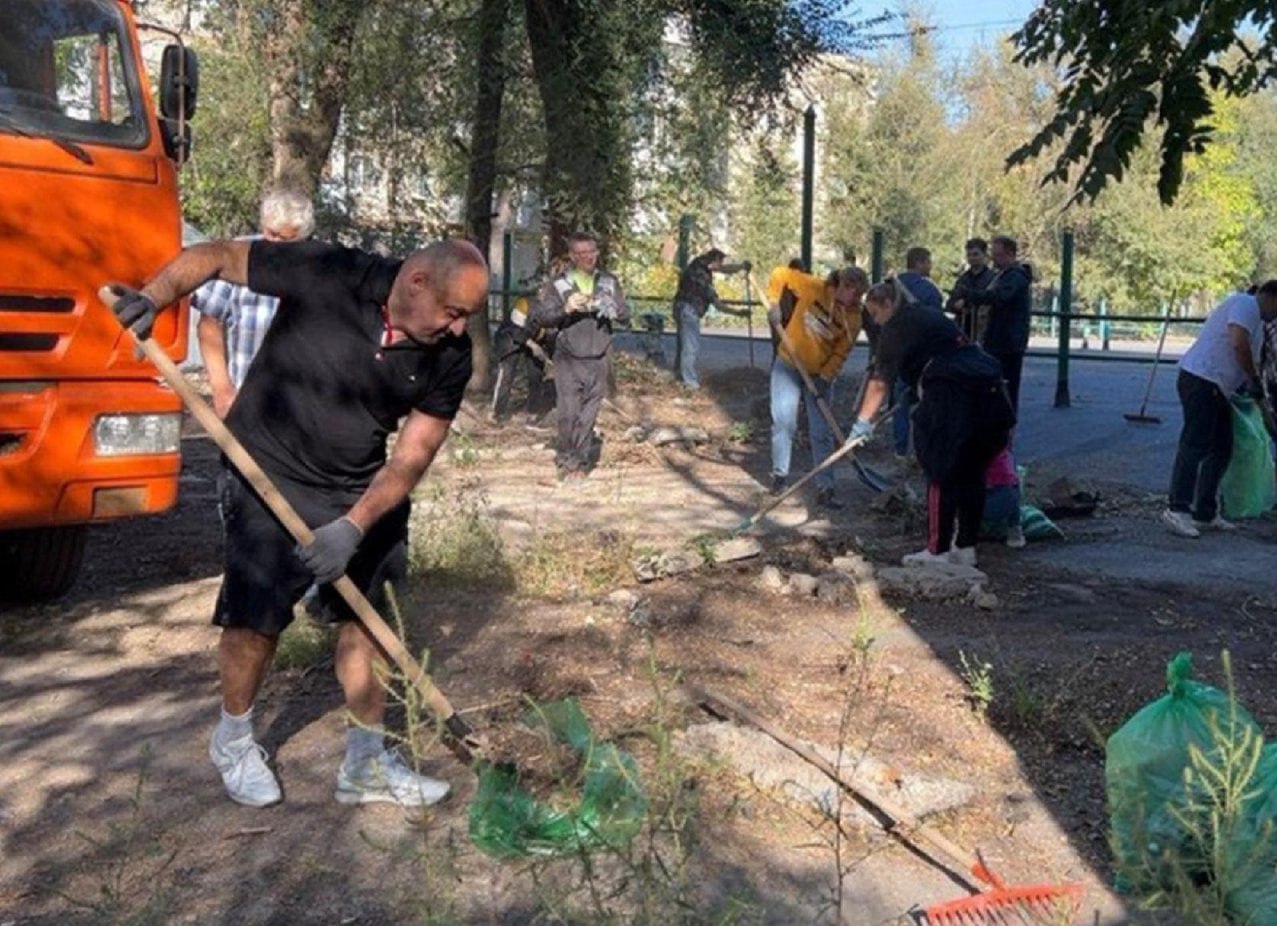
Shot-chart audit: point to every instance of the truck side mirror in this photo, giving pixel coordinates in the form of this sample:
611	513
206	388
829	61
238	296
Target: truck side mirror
179	81
177	140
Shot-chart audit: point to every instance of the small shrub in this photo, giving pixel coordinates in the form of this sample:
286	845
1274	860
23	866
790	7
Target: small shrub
562	563
455	541
978	675
303	643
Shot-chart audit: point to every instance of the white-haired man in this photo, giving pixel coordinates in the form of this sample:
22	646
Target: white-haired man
234	319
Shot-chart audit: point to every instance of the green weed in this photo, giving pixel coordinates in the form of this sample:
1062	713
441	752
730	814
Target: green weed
978	676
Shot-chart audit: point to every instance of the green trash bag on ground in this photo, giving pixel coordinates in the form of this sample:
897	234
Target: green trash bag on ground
1251	875
507	822
1037	526
1247	489
1156	797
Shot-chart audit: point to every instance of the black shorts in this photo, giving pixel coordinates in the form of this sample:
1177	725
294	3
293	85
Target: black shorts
264	579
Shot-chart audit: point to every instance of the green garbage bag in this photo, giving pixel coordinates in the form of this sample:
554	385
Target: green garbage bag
1037	526
1251	889
1247	489
1150	792
507	822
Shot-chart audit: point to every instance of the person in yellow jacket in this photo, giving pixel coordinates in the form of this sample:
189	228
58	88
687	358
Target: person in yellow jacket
821	319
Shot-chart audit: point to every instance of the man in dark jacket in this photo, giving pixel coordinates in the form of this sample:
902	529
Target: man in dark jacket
975	278
1006	336
695	295
582	302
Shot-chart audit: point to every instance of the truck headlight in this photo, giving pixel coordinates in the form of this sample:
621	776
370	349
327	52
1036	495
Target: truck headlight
120	435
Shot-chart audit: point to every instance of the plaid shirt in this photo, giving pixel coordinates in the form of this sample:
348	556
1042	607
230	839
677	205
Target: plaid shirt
245	316
1268	362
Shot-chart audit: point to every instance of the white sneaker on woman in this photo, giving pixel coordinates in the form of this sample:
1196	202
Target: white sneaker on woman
1179	523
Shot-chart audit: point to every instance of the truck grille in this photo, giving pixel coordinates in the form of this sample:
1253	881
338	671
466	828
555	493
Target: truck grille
53	305
28	342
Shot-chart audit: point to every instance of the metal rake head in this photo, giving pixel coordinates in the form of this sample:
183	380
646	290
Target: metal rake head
1029	905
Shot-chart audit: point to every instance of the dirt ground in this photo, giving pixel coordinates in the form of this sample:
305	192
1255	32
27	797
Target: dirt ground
110	811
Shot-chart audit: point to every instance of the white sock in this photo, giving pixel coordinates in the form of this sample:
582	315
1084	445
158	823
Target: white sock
363	743
232	727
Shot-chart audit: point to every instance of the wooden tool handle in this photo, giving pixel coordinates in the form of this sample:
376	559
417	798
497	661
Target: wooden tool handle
227	442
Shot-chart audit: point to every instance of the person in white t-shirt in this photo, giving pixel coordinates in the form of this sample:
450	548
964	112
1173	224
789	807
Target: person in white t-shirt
1223	360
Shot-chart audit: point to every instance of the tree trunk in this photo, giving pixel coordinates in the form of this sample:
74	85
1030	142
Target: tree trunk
484	142
308	53
586	181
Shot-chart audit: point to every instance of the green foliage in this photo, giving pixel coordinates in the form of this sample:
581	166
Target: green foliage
222	183
978	675
456	542
1132	66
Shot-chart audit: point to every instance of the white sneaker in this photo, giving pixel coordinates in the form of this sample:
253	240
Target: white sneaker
1179	523
245	774
962	556
1214	524
925	558
1015	537
385	779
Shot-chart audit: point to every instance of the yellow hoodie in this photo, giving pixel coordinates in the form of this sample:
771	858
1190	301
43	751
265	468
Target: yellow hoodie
821	332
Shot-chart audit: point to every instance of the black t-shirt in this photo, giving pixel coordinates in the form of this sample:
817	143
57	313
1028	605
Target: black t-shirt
322	395
910	339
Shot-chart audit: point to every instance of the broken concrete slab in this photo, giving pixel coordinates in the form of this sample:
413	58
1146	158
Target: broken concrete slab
683	435
772	579
837	588
663	565
774	767
623	598
730	551
853	565
935	582
802	585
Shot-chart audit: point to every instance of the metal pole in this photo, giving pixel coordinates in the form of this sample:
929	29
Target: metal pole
684	241
1104	323
809	179
507	272
875	256
1066	307
749	321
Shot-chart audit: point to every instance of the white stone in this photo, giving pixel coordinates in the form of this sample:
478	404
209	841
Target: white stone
740	548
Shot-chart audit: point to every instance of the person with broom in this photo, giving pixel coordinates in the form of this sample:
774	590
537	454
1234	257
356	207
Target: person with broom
1222	361
359	343
963	418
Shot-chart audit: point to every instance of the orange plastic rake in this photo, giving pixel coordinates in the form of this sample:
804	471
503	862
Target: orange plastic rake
1046	904
1000	905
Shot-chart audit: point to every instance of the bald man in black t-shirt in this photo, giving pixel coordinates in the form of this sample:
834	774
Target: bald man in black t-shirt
359	342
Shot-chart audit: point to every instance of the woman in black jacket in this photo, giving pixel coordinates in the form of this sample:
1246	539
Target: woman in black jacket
962	421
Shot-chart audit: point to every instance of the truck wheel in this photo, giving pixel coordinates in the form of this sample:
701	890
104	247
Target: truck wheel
43	561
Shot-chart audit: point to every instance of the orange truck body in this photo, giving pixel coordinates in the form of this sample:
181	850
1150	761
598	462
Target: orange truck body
68	223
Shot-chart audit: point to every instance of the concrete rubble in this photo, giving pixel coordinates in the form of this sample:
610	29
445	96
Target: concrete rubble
773	767
934	582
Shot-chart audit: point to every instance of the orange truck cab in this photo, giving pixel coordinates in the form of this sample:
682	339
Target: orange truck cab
88	194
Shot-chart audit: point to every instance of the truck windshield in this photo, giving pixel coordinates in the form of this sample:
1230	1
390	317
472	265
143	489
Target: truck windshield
67	72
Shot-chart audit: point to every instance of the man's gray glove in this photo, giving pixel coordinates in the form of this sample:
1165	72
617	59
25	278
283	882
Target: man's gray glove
773	317
135	310
334	544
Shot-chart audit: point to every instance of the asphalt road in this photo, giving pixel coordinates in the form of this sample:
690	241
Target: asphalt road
1089	437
